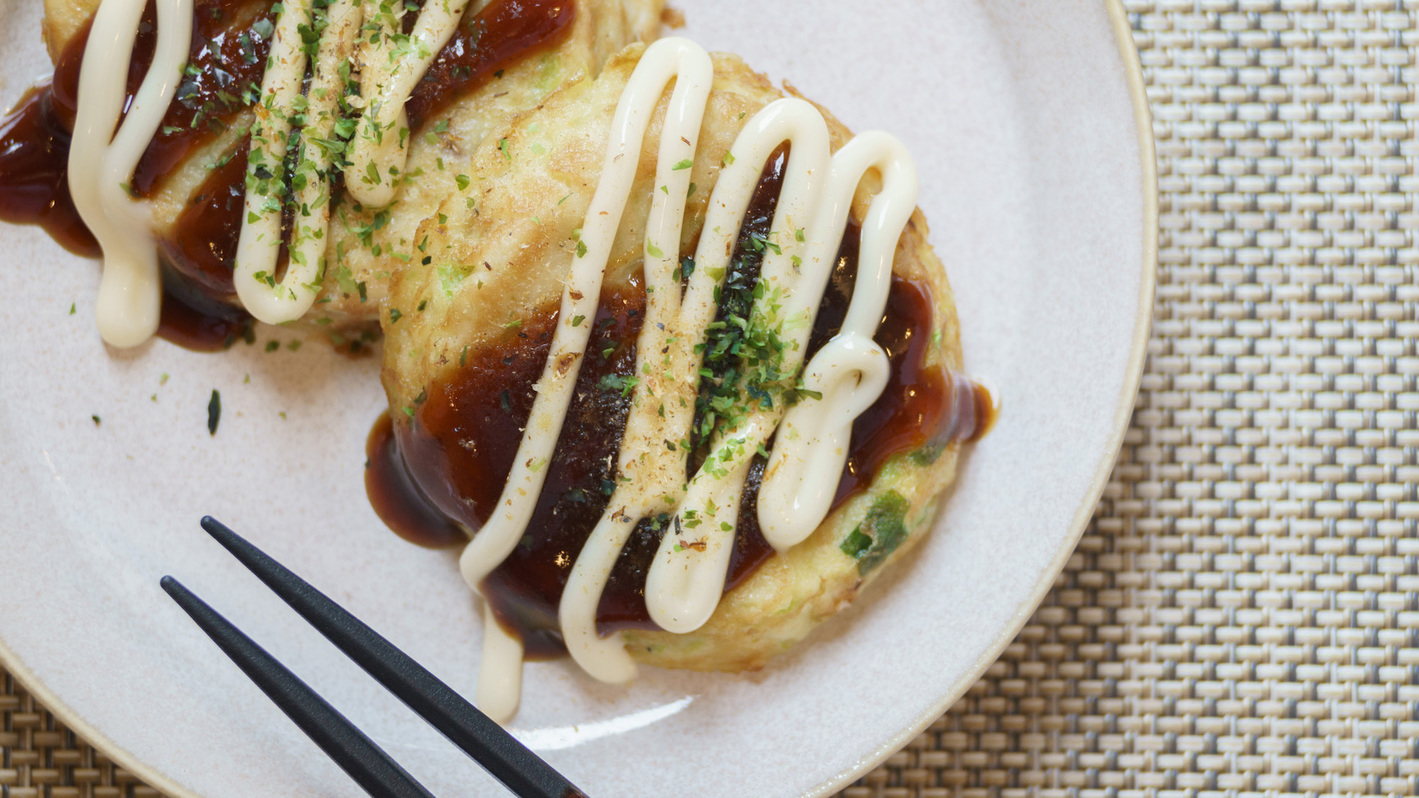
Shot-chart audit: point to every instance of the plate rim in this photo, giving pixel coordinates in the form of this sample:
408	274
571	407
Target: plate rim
1128	397
1133	68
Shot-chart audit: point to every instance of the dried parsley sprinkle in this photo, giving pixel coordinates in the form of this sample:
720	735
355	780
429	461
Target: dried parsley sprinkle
685	164
214	412
346	280
615	382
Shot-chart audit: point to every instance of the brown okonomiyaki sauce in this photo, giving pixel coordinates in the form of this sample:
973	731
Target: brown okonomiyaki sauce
923	408
230	42
397	499
449	457
34	172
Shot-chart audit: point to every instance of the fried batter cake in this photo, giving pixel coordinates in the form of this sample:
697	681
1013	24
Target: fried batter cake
504	58
474	330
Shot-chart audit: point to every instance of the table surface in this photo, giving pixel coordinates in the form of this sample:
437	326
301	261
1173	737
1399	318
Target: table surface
1242	614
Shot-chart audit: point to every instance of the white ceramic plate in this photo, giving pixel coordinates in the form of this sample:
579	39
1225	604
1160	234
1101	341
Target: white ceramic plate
1027	120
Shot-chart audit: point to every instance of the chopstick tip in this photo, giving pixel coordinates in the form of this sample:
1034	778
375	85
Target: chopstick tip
175	589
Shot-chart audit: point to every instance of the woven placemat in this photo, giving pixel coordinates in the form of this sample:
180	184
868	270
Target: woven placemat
1242	615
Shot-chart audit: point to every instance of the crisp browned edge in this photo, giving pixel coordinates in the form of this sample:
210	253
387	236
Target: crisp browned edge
1143	120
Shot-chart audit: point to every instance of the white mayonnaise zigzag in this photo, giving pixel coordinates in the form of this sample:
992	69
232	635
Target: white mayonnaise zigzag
685	583
102	163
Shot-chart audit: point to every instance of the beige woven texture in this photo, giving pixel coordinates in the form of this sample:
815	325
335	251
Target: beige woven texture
1242	615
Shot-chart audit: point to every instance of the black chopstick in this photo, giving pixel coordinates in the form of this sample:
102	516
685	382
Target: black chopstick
356	754
506	759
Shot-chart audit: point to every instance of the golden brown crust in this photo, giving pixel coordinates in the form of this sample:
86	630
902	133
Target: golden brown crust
62	20
509	254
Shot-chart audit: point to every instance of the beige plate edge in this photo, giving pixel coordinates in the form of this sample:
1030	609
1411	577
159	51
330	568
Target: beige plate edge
1143	119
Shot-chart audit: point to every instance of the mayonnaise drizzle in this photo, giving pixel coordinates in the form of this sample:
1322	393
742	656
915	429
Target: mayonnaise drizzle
390	67
690	66
259	243
684	586
101	163
391	64
851	370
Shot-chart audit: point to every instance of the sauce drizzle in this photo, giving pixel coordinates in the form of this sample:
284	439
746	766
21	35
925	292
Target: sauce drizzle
494	38
34	172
